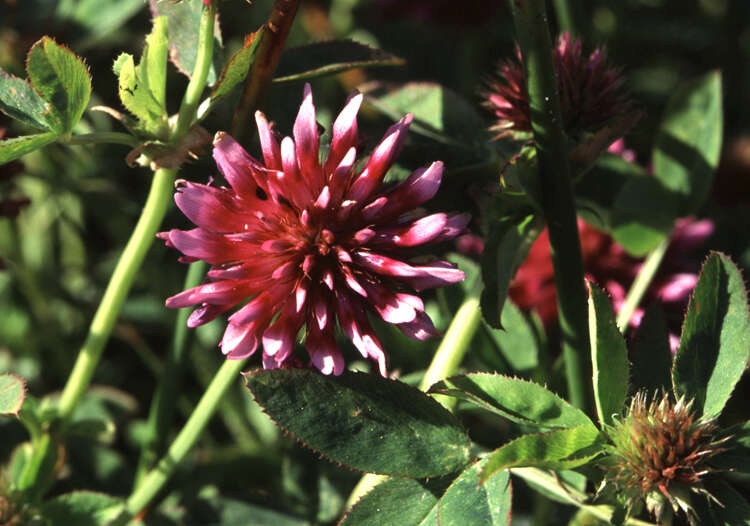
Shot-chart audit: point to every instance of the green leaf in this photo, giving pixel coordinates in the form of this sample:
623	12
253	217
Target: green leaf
408	502
518	400
99	18
329	58
363	421
609	357
734	510
82	508
559	449
12	393
439	113
505	249
62	79
402	501
517	342
223	511
14	148
183	22
736	451
597	189
136	96
651	355
18	100
643	214
715	340
237	67
689	141
470	500
152	70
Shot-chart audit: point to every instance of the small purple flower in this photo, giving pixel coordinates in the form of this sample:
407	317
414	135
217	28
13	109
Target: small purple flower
301	242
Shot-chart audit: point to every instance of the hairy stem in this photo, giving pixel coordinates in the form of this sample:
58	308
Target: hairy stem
267	57
532	31
155	479
163	403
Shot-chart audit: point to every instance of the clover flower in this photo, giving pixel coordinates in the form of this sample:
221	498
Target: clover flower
307	243
591	91
606	263
660	455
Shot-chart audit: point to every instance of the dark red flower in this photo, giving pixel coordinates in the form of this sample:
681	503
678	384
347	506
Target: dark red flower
307	243
591	91
606	263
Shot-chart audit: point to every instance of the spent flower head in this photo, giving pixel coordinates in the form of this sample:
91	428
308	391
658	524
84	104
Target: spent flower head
306	243
659	455
590	88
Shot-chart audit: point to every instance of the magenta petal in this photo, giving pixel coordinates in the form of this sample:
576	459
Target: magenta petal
208	246
421	231
353	320
419	329
307	141
344	133
206	313
420	186
678	288
238	167
279	338
239	341
212	208
380	161
323	351
390	307
216	293
339	180
268	143
437	274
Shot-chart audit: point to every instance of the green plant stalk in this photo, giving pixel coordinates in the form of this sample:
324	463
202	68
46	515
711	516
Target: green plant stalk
155	479
640	285
444	363
157	202
569	16
558	205
570	494
103	137
197	84
106	315
455	343
163	403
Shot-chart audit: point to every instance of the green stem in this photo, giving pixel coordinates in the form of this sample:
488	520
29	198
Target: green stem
163	403
456	341
103	137
570	495
197	83
530	19
130	261
155	479
640	285
104	319
444	363
162	187
569	16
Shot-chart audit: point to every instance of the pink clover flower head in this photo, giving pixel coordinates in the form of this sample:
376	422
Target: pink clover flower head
591	91
312	244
